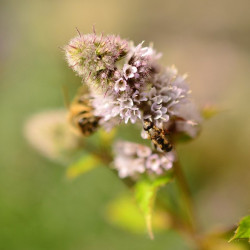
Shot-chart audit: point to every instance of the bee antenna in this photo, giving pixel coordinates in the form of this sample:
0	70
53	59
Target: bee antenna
65	93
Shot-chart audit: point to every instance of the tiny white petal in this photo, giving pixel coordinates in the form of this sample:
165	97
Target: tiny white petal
144	134
143	151
158	114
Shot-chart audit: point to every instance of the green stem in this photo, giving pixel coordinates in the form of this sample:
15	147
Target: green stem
187	200
186	196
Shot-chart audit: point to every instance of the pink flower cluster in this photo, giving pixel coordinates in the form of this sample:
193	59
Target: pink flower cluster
127	84
133	159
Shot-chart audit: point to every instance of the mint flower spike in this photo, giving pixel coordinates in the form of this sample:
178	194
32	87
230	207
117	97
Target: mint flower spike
95	56
134	89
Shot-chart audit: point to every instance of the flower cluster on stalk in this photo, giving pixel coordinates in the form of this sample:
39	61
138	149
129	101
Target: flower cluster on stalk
128	84
133	159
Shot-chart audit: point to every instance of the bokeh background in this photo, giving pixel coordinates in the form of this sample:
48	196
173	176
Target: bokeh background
210	40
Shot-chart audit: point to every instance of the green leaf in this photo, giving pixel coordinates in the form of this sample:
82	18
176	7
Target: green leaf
209	111
145	193
215	243
85	164
243	230
124	213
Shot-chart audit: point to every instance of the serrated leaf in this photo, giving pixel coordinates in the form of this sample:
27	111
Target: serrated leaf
85	164
243	230
124	213
145	192
221	244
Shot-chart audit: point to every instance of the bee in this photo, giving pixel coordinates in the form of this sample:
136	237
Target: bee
157	135
81	117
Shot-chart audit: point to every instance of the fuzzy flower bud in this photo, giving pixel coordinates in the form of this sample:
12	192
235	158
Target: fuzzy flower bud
134	89
95	56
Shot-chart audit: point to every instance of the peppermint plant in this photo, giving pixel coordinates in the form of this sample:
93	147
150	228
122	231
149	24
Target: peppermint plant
127	86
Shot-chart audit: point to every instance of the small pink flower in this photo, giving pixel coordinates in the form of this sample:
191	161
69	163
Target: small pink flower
143	151
147	51
153	162
120	85
137	63
129	71
166	163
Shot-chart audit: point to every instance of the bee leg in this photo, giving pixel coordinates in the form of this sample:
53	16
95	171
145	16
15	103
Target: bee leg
155	146
145	135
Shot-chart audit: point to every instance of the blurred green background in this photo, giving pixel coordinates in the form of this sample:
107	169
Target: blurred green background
210	40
